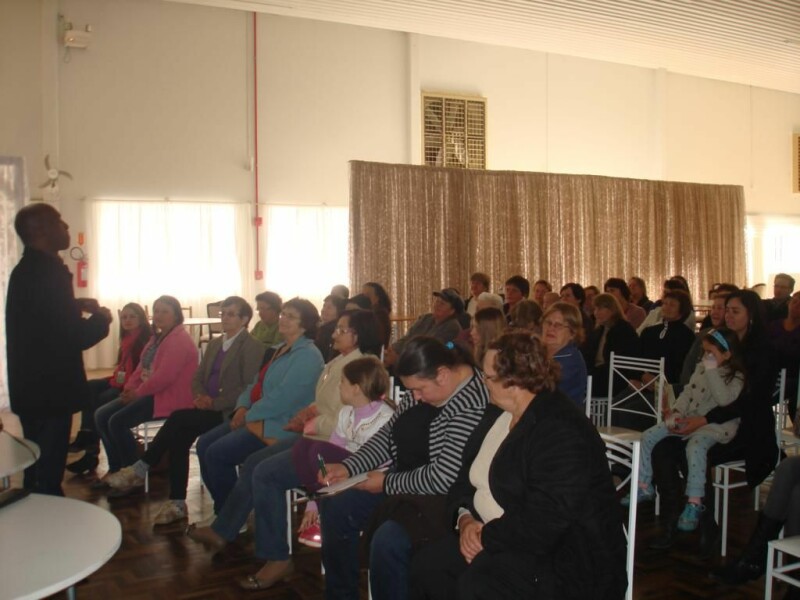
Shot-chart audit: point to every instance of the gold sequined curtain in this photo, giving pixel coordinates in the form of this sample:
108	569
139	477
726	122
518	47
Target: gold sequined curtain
417	229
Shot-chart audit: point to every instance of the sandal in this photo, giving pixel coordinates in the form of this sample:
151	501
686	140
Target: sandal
280	571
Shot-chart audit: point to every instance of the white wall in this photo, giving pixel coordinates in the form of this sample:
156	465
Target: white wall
513	82
21	83
160	105
328	94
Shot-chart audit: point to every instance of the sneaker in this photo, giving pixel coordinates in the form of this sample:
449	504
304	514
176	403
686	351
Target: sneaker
171	512
643	494
125	479
690	517
311	536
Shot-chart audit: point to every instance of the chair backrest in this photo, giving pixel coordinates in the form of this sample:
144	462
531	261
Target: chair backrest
212	311
625	456
632	367
187	311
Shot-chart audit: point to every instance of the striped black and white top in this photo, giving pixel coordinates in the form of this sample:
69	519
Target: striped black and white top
447	435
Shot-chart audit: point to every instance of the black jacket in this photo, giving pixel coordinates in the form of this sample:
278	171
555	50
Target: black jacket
552	479
46	335
621	339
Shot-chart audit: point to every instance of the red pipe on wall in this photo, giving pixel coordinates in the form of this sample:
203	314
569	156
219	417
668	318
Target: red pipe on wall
259	274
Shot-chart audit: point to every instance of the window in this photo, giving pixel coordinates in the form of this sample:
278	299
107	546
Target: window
307	250
454	131
199	252
773	246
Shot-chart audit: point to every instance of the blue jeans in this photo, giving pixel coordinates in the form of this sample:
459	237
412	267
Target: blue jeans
271	479
389	562
696	458
342	518
234	512
100	394
114	422
220	451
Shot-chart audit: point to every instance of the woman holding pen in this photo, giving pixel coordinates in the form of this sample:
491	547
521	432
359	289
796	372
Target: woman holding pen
401	510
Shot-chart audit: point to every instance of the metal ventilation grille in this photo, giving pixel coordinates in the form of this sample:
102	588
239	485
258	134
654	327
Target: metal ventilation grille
454	131
796	163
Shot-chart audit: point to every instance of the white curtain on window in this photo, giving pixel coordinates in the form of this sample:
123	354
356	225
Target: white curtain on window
199	252
307	250
773	246
13	195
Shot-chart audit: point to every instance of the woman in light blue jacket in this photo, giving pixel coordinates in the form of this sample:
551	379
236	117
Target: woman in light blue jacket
284	385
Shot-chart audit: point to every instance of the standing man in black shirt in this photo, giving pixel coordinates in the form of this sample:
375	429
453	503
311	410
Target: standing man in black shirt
46	335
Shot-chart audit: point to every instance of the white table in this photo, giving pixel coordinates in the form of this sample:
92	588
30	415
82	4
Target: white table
49	543
15	455
201	321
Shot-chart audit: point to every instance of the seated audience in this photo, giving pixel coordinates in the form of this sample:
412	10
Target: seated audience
355	336
717	381
719	289
382	307
284	385
364	385
517	288
478	284
526	314
780	513
134	333
620	290
591	293
549	299
654	316
332	307
755	441
716	320
487	299
784	341
359	301
671	339
268	305
562	331
160	385
340	290
228	366
612	333
573	293
400	510
777	307
540	288
441	323
487	325
534	505
638	289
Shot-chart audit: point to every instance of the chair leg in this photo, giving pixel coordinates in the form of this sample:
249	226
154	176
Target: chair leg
724	524
770	563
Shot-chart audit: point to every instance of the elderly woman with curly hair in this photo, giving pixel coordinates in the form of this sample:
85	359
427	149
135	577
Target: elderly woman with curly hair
533	510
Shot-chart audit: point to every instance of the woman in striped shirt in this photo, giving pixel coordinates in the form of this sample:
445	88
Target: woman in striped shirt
422	444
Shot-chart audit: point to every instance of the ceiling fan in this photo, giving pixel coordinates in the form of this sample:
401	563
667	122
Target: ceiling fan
52	175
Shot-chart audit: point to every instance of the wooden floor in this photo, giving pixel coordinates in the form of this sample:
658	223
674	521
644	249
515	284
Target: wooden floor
165	564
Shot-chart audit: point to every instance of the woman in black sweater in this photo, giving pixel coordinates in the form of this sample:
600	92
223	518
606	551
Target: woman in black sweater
755	441
534	506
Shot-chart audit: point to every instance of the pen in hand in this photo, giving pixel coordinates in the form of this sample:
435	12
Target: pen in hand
322	468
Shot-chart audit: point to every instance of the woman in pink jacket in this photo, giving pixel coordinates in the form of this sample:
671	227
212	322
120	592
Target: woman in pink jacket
161	384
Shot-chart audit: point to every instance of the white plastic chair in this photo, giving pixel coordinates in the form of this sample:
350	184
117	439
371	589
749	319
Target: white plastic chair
787	546
628	368
723	483
784	430
625	453
147	431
